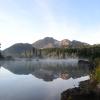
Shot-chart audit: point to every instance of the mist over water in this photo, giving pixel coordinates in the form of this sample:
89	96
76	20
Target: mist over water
39	80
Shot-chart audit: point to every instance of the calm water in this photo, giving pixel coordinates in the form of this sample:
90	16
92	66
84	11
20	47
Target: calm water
39	80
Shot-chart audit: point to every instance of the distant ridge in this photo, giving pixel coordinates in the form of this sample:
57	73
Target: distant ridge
26	49
50	42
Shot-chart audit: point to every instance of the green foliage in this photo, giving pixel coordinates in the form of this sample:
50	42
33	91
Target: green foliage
89	52
97	61
97	74
27	54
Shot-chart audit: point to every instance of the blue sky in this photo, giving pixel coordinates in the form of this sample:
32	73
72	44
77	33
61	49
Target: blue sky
30	20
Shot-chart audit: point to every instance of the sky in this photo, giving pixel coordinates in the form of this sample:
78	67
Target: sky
26	21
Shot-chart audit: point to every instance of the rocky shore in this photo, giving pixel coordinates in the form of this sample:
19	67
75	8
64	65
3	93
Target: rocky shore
87	90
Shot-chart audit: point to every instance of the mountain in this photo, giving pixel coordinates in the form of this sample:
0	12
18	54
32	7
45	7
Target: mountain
64	43
28	50
19	50
49	42
78	44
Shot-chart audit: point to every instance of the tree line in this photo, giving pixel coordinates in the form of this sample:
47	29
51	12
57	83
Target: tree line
91	52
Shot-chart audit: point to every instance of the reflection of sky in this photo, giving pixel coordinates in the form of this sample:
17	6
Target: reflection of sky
28	87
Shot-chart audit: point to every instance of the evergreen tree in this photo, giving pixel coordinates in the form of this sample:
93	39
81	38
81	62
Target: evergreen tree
1	56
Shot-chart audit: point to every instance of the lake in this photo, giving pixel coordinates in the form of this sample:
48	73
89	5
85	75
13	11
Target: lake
39	80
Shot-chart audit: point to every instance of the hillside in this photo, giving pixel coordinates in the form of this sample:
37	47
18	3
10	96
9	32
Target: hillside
19	50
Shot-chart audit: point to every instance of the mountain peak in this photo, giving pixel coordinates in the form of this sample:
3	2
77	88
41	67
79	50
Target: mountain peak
48	38
64	43
49	42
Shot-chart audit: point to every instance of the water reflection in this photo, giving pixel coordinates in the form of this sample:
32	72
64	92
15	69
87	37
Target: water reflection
48	71
39	80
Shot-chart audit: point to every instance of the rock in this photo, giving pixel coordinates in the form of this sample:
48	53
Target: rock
89	64
81	93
